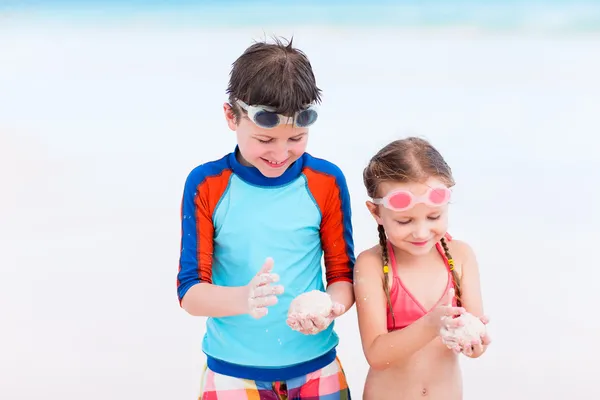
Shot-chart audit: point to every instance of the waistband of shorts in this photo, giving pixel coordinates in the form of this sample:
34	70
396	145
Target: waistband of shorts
271	374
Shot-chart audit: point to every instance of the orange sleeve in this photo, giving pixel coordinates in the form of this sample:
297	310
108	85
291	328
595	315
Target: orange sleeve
203	190
330	193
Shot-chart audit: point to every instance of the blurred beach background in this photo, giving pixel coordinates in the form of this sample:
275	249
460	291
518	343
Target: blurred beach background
106	106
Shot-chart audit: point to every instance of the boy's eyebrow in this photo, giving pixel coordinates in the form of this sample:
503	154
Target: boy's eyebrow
262	136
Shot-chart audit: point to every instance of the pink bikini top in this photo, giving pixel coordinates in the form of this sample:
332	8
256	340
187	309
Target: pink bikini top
407	308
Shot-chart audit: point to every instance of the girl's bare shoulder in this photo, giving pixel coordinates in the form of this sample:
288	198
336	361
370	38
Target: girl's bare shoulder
369	260
462	253
460	250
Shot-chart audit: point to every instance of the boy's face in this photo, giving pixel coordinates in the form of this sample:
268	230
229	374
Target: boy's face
271	151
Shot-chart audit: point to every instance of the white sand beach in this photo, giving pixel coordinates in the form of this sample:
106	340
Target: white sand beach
99	127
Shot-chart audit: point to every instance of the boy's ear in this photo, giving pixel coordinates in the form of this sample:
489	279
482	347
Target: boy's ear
230	116
374	210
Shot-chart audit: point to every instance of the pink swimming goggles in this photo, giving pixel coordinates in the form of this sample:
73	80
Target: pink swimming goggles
402	200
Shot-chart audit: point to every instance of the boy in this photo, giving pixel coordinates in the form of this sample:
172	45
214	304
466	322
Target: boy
268	202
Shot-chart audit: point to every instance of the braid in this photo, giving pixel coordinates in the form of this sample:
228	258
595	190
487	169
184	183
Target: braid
457	283
386	270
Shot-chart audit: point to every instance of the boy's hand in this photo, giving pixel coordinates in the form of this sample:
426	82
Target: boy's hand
261	294
311	324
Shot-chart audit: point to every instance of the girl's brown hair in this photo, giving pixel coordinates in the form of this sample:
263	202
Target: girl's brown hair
407	160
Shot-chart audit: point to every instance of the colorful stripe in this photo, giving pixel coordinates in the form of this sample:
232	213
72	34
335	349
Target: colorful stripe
328	383
204	187
327	185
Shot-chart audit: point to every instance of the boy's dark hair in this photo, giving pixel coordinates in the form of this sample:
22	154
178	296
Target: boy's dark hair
273	74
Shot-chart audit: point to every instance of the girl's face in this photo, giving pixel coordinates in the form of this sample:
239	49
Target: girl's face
417	229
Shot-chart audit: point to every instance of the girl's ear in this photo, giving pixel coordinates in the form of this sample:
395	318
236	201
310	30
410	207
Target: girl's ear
374	210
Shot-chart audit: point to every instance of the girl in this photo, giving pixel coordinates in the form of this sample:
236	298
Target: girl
416	276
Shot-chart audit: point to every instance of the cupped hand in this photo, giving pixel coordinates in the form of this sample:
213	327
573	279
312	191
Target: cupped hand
476	347
311	324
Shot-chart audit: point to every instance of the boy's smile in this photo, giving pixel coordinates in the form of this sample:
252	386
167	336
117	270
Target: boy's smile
275	164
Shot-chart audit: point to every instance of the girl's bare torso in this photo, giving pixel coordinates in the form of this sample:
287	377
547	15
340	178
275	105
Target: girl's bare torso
433	373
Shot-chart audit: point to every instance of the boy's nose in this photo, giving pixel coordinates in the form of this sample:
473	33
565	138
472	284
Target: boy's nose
281	152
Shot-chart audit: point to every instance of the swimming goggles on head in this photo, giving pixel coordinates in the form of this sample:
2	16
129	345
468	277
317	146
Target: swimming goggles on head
402	200
266	117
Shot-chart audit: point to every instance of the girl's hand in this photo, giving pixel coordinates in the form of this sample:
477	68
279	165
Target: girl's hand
476	348
472	349
443	315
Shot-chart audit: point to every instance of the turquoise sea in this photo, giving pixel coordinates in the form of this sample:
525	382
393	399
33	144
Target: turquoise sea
509	15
